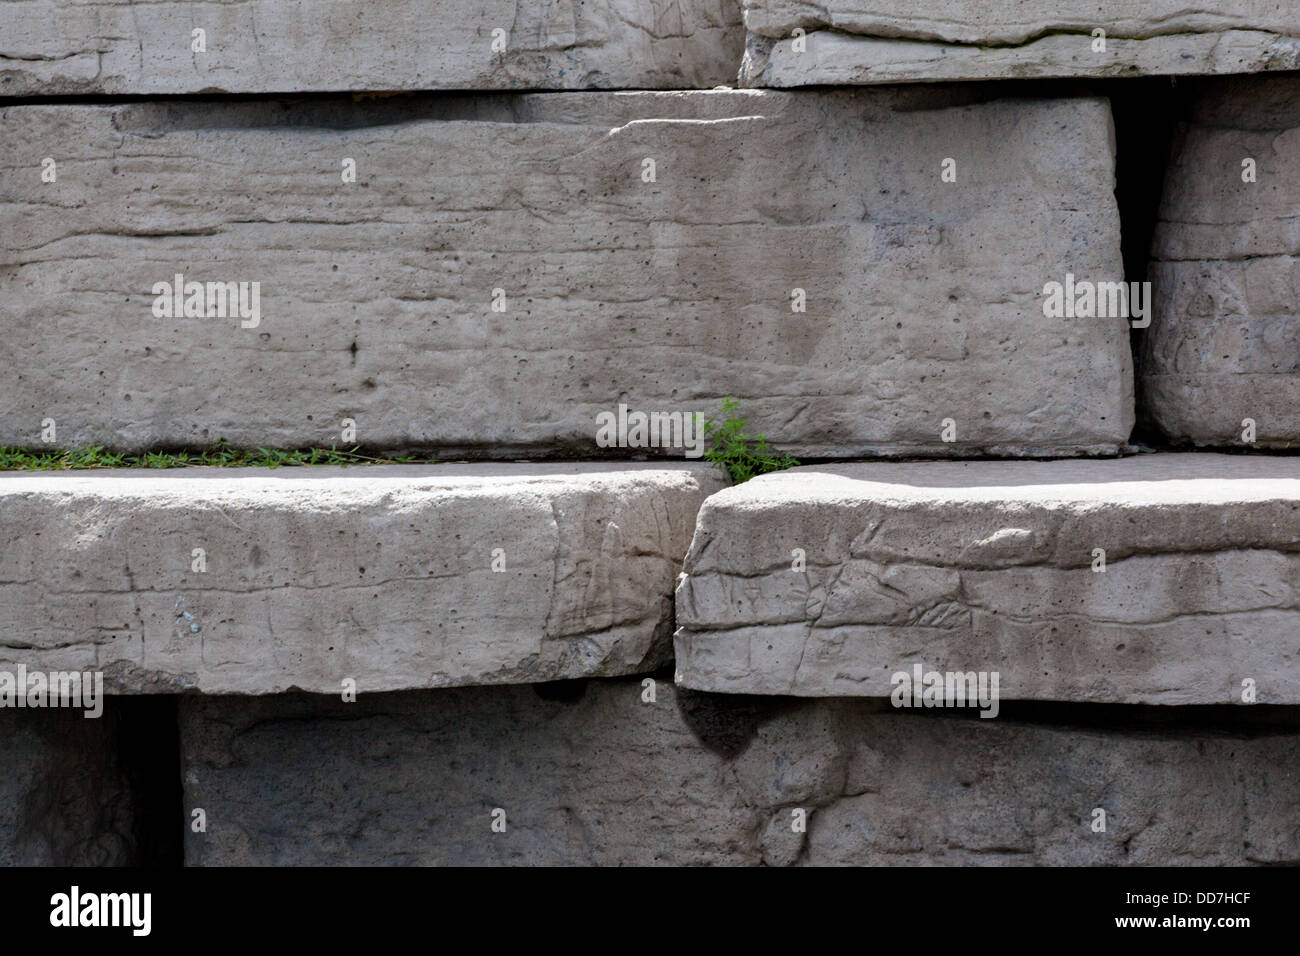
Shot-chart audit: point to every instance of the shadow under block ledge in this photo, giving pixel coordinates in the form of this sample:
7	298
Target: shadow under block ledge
287	46
1224	343
608	777
251	581
800	42
66	798
828	580
506	268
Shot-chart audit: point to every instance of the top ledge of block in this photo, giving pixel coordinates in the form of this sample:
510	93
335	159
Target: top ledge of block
1173	477
469	474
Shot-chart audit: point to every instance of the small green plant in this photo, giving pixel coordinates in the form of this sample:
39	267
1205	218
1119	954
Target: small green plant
743	457
221	455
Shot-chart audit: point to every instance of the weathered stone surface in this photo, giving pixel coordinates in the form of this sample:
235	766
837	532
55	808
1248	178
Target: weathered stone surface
908	41
988	566
1224	342
284	46
608	778
923	298
382	574
65	798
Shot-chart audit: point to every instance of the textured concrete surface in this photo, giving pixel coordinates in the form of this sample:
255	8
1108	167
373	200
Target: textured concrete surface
65	797
394	576
989	566
923	297
1224	342
598	776
913	41
270	46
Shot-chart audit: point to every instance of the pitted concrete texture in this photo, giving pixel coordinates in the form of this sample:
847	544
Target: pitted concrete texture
830	580
253	581
602	776
506	269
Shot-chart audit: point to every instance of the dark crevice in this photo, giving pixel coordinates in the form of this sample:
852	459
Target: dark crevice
725	724
150	754
561	691
1147	112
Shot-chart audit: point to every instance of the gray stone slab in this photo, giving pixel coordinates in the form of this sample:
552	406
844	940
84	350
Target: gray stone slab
392	576
1224	342
283	46
829	580
916	41
600	776
923	298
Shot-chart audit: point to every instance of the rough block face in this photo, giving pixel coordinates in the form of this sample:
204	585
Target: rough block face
65	799
988	567
917	41
603	777
382	574
923	297
1224	343
280	46
540	242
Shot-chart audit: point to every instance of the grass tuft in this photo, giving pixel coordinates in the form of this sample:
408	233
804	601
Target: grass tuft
221	455
743	457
